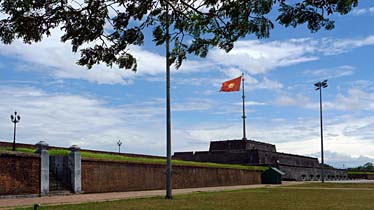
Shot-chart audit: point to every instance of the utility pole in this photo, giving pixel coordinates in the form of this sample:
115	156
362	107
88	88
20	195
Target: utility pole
168	111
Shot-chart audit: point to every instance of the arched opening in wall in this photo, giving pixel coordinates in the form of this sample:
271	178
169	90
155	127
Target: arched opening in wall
311	177
303	177
318	177
274	160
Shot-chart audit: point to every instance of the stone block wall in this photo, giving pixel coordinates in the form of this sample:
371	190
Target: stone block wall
272	158
19	174
111	176
311	174
361	176
240	145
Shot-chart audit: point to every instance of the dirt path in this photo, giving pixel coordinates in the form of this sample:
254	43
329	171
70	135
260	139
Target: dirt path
99	197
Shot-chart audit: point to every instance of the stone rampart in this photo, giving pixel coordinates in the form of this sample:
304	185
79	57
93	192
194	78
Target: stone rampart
249	152
361	176
230	145
249	157
275	158
293	173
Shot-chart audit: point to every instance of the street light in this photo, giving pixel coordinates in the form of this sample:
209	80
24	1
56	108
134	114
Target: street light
119	143
319	86
15	119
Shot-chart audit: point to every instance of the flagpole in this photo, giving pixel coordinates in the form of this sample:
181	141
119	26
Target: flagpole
243	97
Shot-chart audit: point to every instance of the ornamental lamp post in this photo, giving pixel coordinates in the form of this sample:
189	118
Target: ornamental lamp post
319	86
15	119
119	143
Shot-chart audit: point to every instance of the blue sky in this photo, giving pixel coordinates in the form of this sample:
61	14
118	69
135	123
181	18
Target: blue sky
65	104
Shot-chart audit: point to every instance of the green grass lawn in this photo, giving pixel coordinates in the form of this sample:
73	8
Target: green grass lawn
51	152
163	161
359	172
252	199
23	150
105	156
335	185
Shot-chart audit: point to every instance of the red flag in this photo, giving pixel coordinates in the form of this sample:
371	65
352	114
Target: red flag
231	85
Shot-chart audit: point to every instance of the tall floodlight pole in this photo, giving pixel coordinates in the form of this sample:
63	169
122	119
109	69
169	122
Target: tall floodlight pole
15	119
168	111
119	143
319	86
243	97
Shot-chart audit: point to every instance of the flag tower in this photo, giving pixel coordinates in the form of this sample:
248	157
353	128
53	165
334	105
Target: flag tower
234	85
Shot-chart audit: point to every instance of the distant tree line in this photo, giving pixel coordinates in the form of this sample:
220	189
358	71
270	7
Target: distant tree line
367	167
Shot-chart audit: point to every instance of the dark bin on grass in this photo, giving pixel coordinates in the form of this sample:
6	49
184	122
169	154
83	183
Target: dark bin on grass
272	176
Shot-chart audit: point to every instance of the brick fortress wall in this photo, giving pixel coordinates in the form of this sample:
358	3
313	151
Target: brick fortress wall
111	176
19	174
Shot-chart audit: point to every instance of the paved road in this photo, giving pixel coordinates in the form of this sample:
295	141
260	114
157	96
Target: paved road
99	197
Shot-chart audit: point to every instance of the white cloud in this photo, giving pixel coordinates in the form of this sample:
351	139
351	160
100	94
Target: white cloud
66	119
255	103
363	11
329	73
233	73
269	84
359	11
193	105
341	160
355	100
256	57
338	46
259	57
55	58
298	100
371	10
296	137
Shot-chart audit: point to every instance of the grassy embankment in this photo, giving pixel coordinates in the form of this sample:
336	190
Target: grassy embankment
251	199
103	156
359	172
